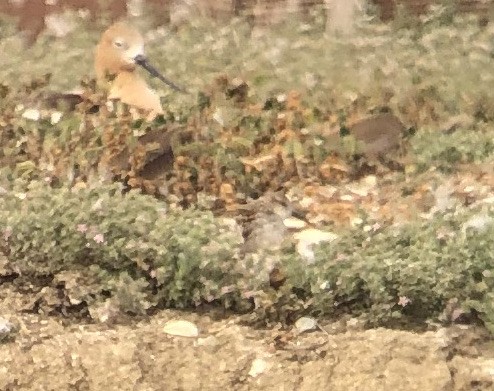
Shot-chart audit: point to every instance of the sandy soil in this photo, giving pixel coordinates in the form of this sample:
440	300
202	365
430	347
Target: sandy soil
55	353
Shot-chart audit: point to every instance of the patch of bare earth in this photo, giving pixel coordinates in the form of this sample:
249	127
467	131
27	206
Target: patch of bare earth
51	353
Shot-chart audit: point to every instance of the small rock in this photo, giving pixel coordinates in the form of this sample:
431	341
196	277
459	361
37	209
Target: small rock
55	117
32	114
258	367
305	324
7	330
181	328
281	98
294	223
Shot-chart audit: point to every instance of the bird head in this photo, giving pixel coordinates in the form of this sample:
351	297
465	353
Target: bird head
121	49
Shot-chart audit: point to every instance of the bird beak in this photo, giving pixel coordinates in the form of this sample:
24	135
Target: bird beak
143	62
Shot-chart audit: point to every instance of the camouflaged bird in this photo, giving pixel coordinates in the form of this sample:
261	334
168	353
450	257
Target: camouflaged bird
118	54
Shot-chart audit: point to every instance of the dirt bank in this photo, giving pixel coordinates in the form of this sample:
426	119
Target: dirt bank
51	354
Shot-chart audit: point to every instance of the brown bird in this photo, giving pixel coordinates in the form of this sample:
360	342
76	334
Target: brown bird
118	53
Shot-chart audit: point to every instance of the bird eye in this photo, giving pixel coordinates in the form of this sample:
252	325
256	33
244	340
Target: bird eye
119	43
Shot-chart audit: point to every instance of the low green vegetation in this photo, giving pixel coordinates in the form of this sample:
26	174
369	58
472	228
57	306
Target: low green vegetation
438	268
177	258
131	246
464	146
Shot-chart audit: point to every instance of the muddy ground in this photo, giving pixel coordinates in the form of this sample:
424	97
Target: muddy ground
57	353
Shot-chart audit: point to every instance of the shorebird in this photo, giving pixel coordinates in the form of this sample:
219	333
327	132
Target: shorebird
118	54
